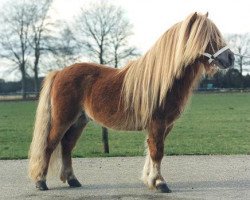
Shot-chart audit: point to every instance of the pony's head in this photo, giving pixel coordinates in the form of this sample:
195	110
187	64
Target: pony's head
202	34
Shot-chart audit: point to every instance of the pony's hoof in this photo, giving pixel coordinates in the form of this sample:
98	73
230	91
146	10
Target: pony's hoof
74	183
41	185
163	188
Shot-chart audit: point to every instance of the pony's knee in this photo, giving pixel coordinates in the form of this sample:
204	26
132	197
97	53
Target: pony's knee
156	150
51	146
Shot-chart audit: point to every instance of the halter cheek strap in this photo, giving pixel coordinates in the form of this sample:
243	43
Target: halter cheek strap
212	57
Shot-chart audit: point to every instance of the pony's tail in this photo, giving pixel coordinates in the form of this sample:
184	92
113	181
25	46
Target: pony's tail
38	145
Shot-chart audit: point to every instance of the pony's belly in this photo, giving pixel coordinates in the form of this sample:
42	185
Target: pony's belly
113	122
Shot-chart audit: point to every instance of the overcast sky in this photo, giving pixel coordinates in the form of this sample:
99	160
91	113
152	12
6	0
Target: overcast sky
151	18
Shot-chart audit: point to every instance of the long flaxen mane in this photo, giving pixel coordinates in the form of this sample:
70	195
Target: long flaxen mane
149	78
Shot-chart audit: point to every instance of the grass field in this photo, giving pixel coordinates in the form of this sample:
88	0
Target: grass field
211	124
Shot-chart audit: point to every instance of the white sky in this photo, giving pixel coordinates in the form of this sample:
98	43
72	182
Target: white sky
151	18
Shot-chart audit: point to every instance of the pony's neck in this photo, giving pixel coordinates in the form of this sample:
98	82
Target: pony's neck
188	81
180	92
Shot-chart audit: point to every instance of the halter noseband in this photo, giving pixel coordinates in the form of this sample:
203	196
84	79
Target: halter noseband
212	57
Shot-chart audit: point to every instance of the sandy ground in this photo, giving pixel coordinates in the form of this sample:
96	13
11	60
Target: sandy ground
189	177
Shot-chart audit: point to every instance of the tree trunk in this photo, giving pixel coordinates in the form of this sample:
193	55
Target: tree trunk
22	67
105	133
36	84
241	72
105	140
36	81
116	60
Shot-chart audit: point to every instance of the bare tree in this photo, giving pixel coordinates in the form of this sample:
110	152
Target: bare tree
40	34
92	29
65	50
102	31
240	44
14	36
120	49
24	35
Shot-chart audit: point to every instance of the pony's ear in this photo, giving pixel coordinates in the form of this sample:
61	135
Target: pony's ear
193	18
206	15
191	21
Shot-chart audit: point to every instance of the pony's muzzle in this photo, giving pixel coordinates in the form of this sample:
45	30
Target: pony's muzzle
225	59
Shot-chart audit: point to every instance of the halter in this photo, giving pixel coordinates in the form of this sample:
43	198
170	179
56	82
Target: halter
212	57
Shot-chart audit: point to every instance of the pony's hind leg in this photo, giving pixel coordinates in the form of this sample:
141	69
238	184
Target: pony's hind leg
61	123
68	142
53	140
152	168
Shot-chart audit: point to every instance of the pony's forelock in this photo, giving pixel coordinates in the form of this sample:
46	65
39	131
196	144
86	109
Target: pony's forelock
149	78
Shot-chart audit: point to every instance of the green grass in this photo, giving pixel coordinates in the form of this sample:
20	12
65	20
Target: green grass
211	124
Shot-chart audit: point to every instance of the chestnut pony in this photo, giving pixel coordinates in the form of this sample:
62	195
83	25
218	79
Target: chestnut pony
149	93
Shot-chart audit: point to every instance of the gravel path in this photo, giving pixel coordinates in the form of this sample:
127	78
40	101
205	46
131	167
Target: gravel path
189	177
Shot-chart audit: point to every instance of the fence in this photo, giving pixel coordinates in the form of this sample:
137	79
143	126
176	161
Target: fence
223	90
17	96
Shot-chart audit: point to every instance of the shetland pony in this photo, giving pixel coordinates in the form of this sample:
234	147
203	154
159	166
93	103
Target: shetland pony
149	93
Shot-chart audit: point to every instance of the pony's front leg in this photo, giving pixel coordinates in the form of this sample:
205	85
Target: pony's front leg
152	168
146	168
